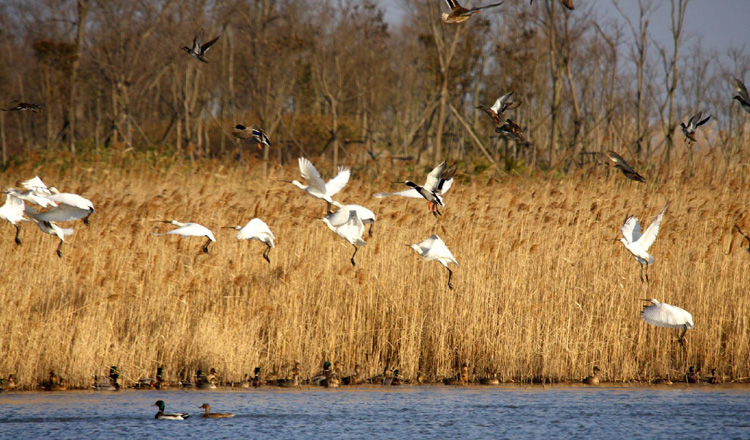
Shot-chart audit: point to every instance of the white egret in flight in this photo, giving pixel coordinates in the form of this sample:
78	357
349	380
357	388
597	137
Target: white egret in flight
438	182
256	229
638	243
69	207
342	215
12	211
351	230
189	230
665	315
433	248
315	185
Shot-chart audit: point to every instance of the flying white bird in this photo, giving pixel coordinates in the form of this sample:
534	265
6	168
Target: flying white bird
433	248
665	315
638	243
315	185
12	211
351	230
256	229
49	228
189	230
68	207
33	197
342	215
438	182
36	185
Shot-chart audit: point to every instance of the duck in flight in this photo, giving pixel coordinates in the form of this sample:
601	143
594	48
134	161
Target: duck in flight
459	14
435	185
623	166
199	49
693	123
23	106
742	96
502	104
253	132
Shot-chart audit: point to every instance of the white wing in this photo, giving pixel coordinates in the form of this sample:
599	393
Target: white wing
497	105
311	174
409	193
339	182
62	213
446	186
72	200
440	252
35	184
652	231
665	315
427	244
433	179
352	230
192	230
631	230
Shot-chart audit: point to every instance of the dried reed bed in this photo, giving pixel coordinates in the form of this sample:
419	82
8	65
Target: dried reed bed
543	291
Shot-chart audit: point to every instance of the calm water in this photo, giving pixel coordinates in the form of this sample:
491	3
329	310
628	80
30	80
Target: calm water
416	412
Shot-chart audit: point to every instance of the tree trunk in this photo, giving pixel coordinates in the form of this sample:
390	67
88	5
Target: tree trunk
82	13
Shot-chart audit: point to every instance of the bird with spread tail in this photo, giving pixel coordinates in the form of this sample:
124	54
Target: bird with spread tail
459	14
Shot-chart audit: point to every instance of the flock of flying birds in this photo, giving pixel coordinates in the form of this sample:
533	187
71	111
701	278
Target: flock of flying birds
46	206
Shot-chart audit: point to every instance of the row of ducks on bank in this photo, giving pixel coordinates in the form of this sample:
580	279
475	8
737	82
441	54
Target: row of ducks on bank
330	377
692	376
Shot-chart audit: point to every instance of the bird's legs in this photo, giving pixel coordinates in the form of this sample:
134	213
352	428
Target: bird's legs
59	249
369	231
681	339
641	271
86	219
450	276
647	280
328	208
205	246
355	253
18	232
265	253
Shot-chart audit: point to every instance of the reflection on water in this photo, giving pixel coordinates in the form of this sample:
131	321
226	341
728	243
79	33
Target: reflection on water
430	411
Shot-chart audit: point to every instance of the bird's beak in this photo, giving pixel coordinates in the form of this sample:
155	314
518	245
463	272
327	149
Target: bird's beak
227	227
285	181
643	299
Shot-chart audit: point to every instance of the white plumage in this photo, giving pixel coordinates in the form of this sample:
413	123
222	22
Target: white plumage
351	230
190	230
666	315
12	211
438	182
637	243
434	248
256	229
315	185
342	215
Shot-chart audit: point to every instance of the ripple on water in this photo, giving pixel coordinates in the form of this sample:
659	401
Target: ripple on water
417	412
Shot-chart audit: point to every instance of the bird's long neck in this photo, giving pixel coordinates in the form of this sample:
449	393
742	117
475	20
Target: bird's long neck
298	185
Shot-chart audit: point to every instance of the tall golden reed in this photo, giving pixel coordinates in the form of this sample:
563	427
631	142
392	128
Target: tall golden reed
543	291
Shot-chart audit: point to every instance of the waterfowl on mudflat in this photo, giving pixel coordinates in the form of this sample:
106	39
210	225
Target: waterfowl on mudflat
594	378
198	51
293	381
502	104
209	415
354	379
54	383
256	378
462	378
713	378
742	96
23	106
161	415
392	379
490	380
623	166
694	122
459	14
692	375
253	132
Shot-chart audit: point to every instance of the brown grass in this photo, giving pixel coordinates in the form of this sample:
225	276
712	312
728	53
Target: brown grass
542	291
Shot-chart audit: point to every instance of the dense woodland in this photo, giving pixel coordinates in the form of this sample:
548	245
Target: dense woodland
333	78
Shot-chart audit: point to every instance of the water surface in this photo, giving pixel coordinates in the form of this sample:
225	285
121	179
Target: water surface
399	412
